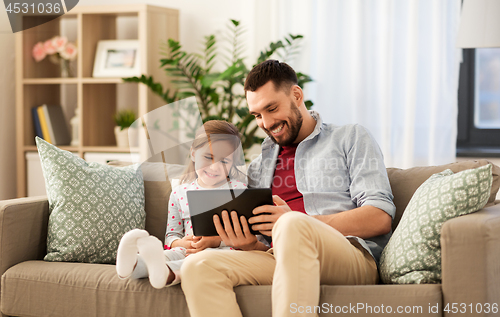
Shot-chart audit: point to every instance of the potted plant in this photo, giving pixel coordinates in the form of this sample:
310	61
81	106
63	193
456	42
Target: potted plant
125	134
219	95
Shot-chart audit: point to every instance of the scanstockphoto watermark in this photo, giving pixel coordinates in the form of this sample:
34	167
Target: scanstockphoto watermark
333	173
362	308
327	163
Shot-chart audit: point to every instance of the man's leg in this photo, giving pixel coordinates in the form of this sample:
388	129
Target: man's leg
309	253
208	278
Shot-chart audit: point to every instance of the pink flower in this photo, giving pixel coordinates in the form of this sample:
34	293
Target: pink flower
49	47
38	52
69	52
59	42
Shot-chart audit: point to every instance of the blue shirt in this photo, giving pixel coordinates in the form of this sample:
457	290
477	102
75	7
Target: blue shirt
337	168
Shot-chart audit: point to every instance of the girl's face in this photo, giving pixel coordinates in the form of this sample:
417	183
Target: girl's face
213	163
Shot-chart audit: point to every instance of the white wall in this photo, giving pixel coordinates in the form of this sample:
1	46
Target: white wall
7	110
197	19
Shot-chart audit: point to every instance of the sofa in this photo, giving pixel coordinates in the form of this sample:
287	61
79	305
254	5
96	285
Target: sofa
33	287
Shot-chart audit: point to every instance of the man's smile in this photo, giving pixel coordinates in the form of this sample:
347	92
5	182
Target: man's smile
278	129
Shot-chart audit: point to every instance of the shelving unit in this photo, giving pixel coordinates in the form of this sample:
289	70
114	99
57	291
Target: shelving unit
96	98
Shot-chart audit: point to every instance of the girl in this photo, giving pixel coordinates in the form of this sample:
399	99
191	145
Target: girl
215	153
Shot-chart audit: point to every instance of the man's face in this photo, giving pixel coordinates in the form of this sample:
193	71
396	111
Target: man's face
276	112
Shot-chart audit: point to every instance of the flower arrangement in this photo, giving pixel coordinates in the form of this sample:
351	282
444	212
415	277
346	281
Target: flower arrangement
60	52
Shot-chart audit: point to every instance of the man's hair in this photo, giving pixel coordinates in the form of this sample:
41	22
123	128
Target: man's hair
281	74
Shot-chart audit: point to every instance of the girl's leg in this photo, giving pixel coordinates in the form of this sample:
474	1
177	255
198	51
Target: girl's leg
174	259
140	270
175	254
175	269
126	257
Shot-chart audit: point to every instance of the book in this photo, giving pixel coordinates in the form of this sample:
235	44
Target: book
56	125
36	123
43	124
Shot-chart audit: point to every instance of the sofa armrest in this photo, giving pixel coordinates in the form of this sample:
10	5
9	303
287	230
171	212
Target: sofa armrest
470	248
23	230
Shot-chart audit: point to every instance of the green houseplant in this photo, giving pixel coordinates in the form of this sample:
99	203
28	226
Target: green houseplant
125	134
219	95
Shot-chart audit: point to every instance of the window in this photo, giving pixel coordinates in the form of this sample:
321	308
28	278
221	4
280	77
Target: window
479	103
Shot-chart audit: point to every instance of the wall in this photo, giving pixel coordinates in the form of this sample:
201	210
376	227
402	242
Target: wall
197	19
7	110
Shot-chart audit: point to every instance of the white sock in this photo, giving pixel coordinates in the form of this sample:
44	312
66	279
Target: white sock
126	256
151	251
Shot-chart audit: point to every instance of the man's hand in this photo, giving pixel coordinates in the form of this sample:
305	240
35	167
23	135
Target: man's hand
202	243
268	215
239	237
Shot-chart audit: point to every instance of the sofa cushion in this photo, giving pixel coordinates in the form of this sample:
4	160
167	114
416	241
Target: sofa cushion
157	188
413	254
404	182
38	288
91	206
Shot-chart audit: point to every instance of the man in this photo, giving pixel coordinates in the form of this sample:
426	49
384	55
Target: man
334	180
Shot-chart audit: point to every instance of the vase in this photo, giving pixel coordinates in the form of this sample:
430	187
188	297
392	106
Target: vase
75	126
65	68
121	137
126	138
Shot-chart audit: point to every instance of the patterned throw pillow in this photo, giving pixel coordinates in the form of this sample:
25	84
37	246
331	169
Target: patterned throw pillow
413	254
91	206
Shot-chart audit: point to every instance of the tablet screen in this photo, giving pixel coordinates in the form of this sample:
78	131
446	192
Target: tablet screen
203	204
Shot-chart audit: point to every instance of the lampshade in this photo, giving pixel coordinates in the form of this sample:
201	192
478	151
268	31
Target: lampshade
479	24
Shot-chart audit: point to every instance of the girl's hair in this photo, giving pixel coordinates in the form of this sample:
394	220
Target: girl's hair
210	132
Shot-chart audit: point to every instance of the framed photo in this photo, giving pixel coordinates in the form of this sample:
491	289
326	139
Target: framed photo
117	58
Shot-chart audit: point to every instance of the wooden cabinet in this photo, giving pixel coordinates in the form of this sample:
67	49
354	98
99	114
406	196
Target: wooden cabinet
97	99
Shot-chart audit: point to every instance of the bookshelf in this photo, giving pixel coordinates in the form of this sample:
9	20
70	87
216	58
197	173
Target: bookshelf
96	98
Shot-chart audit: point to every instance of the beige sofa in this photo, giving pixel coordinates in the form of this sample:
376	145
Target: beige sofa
33	287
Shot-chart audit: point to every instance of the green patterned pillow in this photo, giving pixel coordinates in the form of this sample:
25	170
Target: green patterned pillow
413	254
91	206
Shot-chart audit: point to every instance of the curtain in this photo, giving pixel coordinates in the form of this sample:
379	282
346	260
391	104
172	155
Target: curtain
389	65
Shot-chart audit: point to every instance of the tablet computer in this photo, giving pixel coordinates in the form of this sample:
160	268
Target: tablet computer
203	204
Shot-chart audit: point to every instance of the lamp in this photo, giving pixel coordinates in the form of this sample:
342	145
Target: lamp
479	24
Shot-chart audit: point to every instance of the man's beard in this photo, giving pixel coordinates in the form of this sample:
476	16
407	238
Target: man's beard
293	125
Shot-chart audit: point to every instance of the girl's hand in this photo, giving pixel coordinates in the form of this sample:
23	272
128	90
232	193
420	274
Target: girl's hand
185	242
203	243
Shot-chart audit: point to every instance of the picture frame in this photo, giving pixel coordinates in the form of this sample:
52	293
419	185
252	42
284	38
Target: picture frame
117	58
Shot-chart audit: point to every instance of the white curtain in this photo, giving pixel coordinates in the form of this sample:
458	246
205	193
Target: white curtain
389	65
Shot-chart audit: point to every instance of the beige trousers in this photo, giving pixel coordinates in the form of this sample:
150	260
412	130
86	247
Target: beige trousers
307	253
